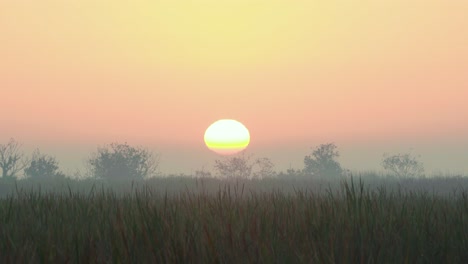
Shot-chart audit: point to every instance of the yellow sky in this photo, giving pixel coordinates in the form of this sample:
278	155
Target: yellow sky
295	72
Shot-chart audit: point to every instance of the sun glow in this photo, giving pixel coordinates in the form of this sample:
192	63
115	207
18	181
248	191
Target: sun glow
227	136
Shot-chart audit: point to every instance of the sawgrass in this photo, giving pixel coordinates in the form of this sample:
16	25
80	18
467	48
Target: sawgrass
231	222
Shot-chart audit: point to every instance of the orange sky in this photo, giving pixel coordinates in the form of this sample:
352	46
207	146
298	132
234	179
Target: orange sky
368	76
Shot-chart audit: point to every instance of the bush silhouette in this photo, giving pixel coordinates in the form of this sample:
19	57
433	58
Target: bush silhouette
242	166
322	162
42	166
121	161
403	165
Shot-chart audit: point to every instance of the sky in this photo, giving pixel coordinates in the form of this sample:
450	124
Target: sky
372	77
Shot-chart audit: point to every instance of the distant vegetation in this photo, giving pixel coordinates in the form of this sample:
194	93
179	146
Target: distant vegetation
242	166
42	166
243	212
322	162
12	160
403	165
122	161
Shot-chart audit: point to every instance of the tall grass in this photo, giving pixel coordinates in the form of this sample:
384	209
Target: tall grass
234	223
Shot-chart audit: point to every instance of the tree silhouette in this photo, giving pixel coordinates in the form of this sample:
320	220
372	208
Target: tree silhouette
121	161
322	161
11	159
403	165
42	166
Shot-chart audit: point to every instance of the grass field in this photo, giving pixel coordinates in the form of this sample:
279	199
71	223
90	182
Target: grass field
186	220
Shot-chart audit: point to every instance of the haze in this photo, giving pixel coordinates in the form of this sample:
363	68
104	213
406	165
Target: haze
373	77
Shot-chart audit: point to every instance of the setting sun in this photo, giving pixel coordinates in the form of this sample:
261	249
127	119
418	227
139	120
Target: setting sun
227	136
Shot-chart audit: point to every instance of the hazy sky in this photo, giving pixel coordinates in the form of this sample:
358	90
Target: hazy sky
373	77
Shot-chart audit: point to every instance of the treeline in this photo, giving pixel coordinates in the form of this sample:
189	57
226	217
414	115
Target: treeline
123	161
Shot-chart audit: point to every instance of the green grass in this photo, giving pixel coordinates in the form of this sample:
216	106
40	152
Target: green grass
215	221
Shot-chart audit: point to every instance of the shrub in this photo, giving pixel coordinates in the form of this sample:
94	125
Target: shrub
322	161
403	165
121	161
42	166
242	166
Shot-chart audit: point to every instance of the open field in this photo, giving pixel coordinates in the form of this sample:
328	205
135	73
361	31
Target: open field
186	220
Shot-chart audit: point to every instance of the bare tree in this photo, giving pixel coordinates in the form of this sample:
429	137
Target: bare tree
116	161
403	165
11	159
322	161
42	166
242	166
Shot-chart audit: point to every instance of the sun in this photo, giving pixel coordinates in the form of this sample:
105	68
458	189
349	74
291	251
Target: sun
227	137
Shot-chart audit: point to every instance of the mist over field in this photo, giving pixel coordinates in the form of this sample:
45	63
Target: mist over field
441	158
125	164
